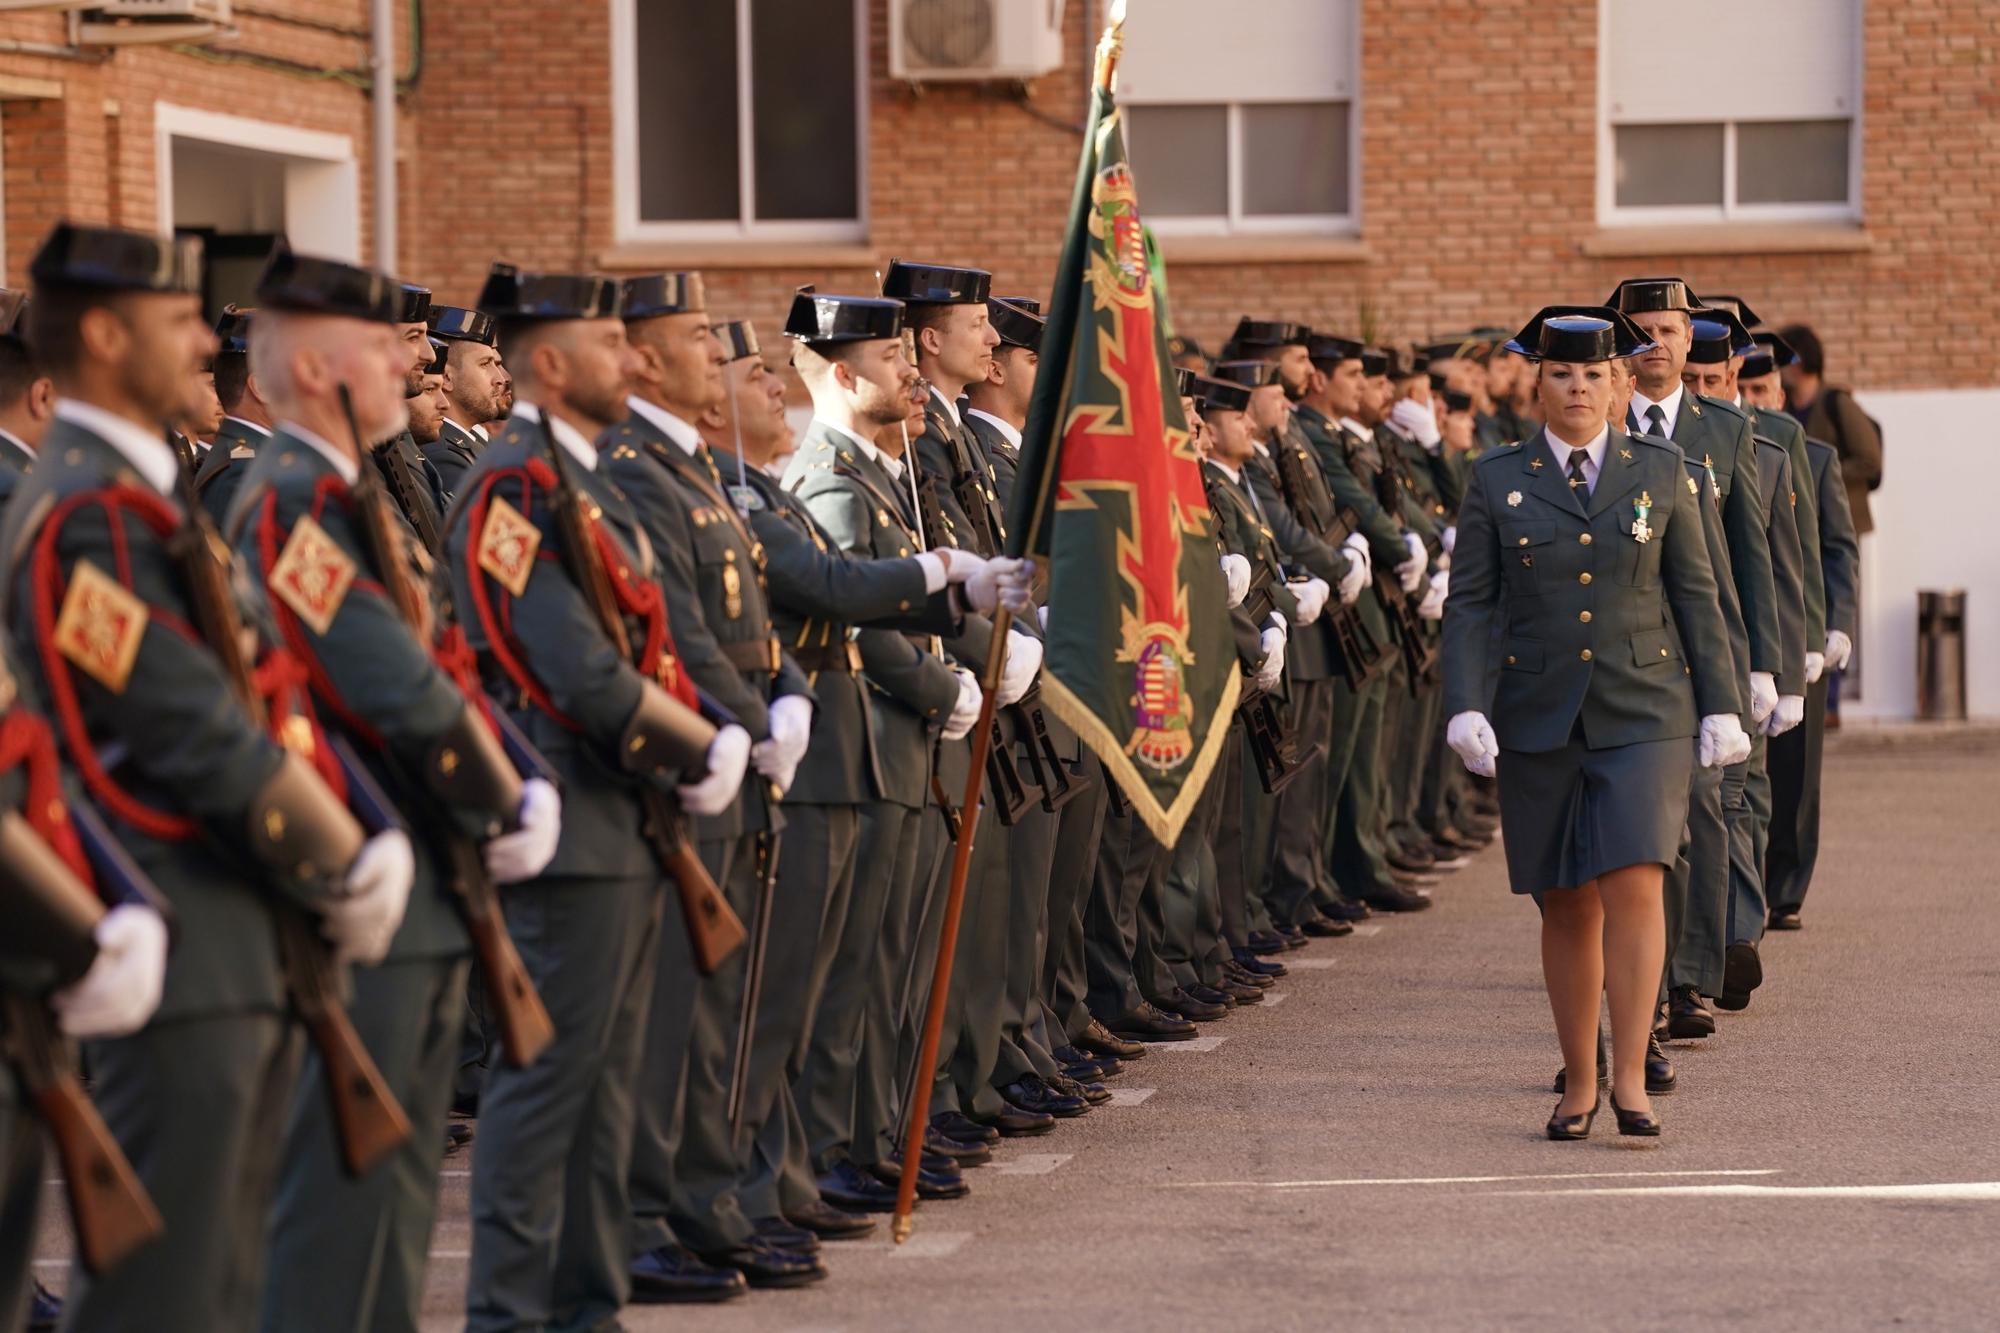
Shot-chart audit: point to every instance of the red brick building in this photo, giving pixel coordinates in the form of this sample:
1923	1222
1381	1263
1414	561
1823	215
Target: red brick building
1397	167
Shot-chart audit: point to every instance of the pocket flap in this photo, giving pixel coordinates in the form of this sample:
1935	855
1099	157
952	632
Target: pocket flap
1532	532
1651	647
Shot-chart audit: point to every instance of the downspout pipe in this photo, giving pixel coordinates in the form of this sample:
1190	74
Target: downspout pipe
382	79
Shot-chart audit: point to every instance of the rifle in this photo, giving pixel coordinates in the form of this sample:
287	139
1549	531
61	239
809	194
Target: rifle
1420	650
408	496
1362	658
714	931
525	1027
769	845
367	1117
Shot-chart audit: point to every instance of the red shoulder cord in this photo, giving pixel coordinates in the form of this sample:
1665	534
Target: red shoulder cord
26	740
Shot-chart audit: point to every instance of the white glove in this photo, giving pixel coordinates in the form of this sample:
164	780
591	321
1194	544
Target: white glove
1312	597
1236	573
1017	673
966	711
1763	696
1815	667
1273	669
728	760
1839	649
1723	741
937	570
1418	421
1002	582
1432	607
1791	711
1411	572
363	921
1042	617
122	988
527	851
777	758
1449	539
1471	737
1355	579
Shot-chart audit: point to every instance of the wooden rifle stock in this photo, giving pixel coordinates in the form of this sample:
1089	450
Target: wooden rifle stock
525	1027
111	1210
714	929
1361	657
367	1117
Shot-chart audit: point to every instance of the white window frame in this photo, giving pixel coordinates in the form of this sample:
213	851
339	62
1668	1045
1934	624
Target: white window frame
629	227
1609	212
1235	222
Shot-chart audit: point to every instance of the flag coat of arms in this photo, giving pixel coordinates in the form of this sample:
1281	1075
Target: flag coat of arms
1140	657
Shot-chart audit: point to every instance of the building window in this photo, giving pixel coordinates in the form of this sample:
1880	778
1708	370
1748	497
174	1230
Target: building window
1254	133
1730	113
739	118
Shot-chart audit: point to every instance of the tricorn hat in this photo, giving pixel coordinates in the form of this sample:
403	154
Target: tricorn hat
1773	353
1216	395
1579	333
415	307
1637	296
116	259
309	283
510	293
457	324
738	338
652	294
818	317
1249	374
1735	305
1016	327
1718	335
1328	349
936	284
232	330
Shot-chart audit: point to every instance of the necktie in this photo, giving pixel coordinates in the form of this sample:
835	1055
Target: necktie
1656	419
1577	481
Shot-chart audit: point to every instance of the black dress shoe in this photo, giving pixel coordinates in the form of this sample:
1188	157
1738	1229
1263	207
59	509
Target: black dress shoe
828	1222
784	1235
672	1275
1325	927
1786	918
457	1133
1095	1094
1742	972
1149	1023
1208	994
1660	1075
958	1150
1012	1122
1243	976
1397	899
1409	860
1403	879
1447	858
1264	942
964	1128
848	1186
1293	937
1249	961
1189	1006
1687	1017
1241	992
1101	1040
1346	909
1635	1124
1082	1066
764	1265
1564	1128
1030	1093
44	1311
930	1184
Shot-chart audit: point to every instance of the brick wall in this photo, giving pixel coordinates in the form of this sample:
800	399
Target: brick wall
1477	174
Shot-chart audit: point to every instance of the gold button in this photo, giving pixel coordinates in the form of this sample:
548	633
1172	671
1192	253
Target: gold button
1510	659
904	604
1585	539
1584	616
1663	652
1584	578
1585	654
1524	541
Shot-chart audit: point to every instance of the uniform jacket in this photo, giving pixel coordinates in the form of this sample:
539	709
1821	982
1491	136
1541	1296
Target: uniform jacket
1717	542
221	470
1584	602
14	464
1245	534
451	455
1839	545
1311	651
167	753
1786	431
1774	477
429	494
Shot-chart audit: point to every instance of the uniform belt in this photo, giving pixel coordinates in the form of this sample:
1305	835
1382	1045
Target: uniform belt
842	655
758	655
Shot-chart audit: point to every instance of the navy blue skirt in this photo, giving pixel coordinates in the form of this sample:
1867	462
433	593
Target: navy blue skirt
1569	815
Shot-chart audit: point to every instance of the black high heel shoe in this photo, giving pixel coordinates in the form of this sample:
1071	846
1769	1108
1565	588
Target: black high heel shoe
1567	1127
1632	1124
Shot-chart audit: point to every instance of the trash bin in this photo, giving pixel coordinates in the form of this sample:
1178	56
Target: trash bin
1941	656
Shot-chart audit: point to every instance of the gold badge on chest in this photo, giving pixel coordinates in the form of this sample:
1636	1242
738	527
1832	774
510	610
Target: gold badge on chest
312	575
507	545
101	626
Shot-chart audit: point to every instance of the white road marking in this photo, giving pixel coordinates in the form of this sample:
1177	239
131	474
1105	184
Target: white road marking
1308	964
1031	1164
1981	1190
1198	1044
1129	1096
455	1175
1274	998
1366	930
1450	1180
922	1244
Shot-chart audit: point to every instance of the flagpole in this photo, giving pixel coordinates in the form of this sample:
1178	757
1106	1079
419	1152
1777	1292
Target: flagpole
1108	48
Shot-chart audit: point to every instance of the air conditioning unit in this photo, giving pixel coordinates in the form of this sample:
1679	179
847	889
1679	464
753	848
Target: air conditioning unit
937	41
21	6
141	22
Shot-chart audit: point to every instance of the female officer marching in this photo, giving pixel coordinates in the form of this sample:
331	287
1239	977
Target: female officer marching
1583	616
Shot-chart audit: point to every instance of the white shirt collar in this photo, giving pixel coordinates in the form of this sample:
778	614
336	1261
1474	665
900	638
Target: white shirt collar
147	451
949	405
568	436
671	426
1593	452
1355	427
892	466
1005	428
260	432
1235	474
18	442
477	432
348	469
1671	405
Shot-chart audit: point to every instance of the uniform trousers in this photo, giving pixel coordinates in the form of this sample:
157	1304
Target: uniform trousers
1190	897
21	1160
1359	866
551	1202
1700	884
196	1103
1409	750
1749	827
1287	833
1031	850
1795	759
969	1049
347	1255
1065	980
1126	856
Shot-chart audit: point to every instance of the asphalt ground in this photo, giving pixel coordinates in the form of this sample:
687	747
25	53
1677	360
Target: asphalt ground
1365	1148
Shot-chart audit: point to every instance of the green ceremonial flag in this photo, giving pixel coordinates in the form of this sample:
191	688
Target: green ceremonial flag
1140	656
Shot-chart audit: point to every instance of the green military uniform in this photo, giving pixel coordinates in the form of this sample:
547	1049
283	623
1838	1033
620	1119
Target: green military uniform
349	1254
221	468
1420	730
452	454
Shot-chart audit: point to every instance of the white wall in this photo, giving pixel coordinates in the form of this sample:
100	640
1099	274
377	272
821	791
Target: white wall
1937	526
